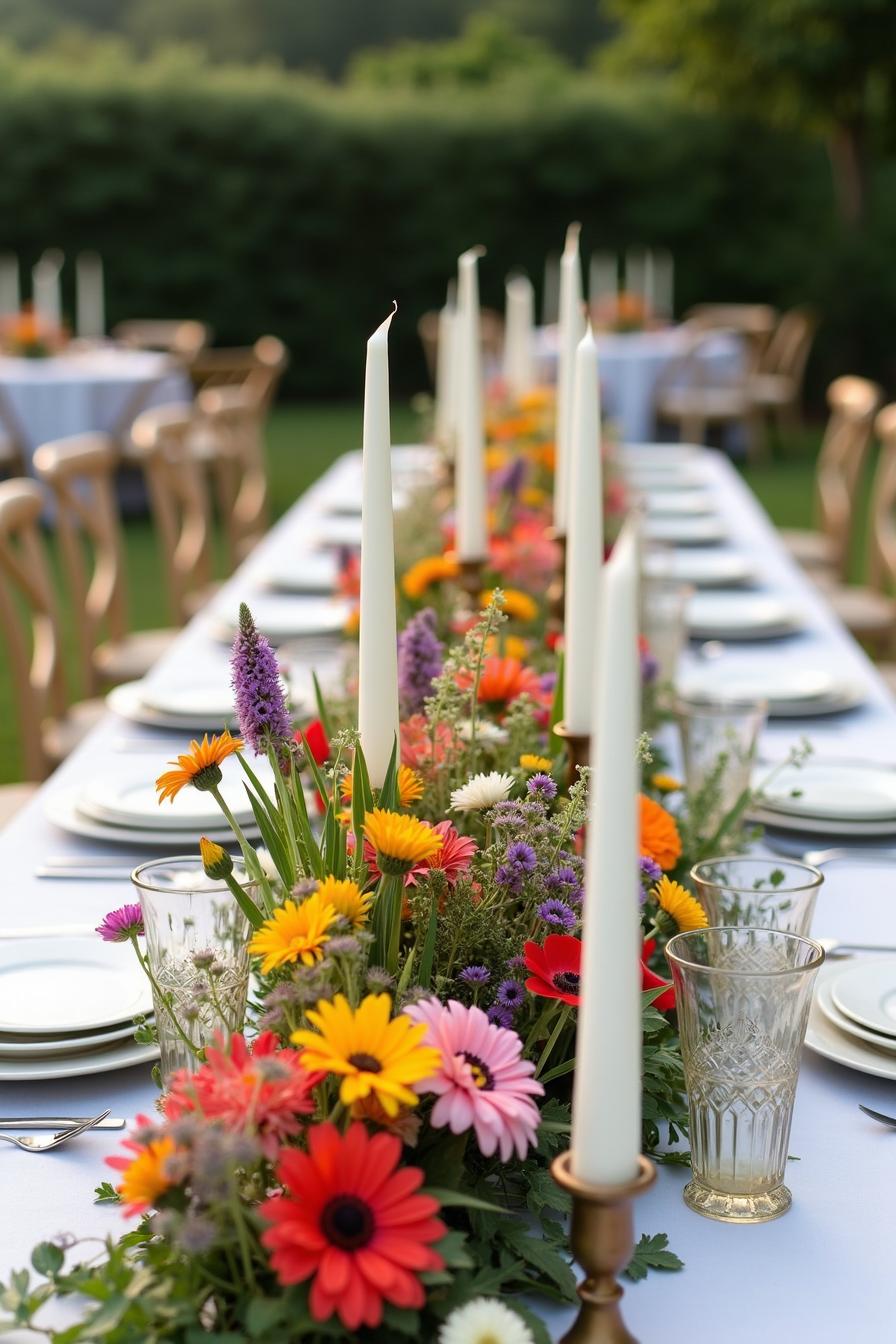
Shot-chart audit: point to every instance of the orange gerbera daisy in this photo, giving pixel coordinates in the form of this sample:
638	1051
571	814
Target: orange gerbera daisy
503	680
660	840
410	786
431	569
519	606
200	766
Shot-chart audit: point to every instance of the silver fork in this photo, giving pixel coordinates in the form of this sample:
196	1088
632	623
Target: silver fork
879	1116
30	1145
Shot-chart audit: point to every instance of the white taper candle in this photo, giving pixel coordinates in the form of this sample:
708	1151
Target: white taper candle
606	1116
584	542
571	326
472	536
378	634
445	418
90	315
519	335
10	300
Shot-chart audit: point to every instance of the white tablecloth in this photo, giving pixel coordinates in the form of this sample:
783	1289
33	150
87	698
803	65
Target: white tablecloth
823	1273
630	366
83	391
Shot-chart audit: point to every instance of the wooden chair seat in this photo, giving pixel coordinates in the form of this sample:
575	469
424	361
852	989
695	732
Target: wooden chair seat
866	613
13	798
60	736
888	672
812	550
130	658
772	390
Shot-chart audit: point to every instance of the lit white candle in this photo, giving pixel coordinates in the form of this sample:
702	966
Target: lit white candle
606	1115
90	319
519	335
584	542
10	301
378	636
571	326
472	536
46	292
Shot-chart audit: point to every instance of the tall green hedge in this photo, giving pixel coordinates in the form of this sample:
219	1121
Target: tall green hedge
260	201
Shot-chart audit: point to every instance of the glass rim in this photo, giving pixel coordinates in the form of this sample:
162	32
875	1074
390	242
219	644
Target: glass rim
808	868
721	705
210	889
675	957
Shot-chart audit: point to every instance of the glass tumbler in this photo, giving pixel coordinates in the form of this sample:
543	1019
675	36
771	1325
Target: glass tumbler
743	998
197	951
767	893
719	741
664	605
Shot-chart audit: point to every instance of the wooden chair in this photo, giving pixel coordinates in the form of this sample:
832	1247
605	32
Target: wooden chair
691	395
754	322
179	502
259	366
81	474
230	442
29	619
869	610
182	337
852	402
777	388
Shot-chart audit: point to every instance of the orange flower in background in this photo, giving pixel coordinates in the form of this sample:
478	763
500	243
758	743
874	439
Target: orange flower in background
519	606
200	766
513	646
410	786
660	840
417	747
503	680
144	1175
431	569
537	398
496	458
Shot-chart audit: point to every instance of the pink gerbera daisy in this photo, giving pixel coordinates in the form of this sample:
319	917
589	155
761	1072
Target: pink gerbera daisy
260	1091
482	1083
453	859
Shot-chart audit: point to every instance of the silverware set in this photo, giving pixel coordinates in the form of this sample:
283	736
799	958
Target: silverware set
87	867
72	1127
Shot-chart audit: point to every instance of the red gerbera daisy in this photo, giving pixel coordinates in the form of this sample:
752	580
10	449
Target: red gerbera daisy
555	967
650	980
350	1218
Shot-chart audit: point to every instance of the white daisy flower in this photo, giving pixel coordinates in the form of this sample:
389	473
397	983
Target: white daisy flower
486	731
485	1321
482	791
267	865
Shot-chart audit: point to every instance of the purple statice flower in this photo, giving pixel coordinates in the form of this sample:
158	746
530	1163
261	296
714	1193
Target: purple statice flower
499	1016
548	682
507	876
260	702
509	480
557	914
521	857
564	884
420	654
506	813
510	994
120	925
475	975
650	869
542	786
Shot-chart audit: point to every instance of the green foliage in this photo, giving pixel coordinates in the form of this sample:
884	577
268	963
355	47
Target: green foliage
651	1253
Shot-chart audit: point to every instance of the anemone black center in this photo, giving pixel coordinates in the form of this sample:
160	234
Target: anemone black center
366	1063
347	1222
482	1074
567	982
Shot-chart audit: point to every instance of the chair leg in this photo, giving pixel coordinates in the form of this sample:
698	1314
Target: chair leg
756	436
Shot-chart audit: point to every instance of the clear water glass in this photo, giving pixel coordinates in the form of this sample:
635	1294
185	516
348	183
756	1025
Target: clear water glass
743	998
664	605
719	742
767	893
197	948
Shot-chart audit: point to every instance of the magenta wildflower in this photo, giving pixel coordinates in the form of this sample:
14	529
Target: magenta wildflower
260	703
120	925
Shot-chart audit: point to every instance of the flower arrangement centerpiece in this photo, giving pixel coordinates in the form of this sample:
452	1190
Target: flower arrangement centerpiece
28	335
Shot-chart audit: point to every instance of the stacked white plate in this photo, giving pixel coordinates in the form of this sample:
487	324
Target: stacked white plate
284	618
678	503
853	1019
67	1006
199	707
736	615
340	530
311	572
702	569
829	798
796	693
123	808
687	530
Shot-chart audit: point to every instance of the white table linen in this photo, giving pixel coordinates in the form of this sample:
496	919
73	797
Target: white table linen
823	1272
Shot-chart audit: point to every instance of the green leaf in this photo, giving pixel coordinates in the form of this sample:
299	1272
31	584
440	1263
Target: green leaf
650	1253
539	1254
106	1193
556	745
389	796
402	1321
322	712
539	1330
461	1199
429	945
272	841
265	1312
544	1192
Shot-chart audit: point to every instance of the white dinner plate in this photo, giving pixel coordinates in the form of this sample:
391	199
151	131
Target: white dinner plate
867	994
72	1043
701	569
331	530
348	503
826	1040
651	479
69	984
307	572
131	799
61	808
833	830
831	791
119	1055
282	618
662	455
127	701
824	997
705	530
789	694
679	503
733	614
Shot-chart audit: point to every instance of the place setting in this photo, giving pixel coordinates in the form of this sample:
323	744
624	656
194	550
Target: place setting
828	798
790	693
284	618
736	615
853	1019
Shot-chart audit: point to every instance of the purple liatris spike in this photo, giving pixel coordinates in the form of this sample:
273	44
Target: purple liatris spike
420	653
260	702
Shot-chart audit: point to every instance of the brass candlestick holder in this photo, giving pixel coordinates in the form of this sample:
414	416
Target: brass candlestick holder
602	1240
469	581
556	593
578	749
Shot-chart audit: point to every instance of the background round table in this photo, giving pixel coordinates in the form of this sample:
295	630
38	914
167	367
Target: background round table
631	363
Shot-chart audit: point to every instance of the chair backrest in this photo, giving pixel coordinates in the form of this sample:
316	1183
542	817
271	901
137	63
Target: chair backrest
29	618
183	337
852	403
882	522
259	366
80	472
788	350
754	321
232	420
178	497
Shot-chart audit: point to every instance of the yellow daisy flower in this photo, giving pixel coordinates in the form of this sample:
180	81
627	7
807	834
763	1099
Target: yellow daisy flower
533	495
537	398
410	786
687	912
200	766
431	569
519	606
508	646
665	783
496	458
347	899
144	1179
372	1053
294	933
535	763
400	841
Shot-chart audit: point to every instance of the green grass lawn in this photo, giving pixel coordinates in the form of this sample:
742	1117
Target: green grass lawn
303	441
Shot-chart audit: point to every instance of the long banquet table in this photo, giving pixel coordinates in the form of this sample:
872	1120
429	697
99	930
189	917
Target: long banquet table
823	1272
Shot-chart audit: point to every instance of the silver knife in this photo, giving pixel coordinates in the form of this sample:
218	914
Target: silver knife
59	1122
50	931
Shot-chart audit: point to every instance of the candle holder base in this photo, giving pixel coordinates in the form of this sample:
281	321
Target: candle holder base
578	749
469	581
602	1241
556	594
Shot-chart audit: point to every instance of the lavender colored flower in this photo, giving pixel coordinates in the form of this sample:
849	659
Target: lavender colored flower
517	963
120	925
499	1016
521	857
511	994
509	877
475	975
420	655
548	681
650	869
260	703
649	666
506	814
542	786
557	914
509	480
564	883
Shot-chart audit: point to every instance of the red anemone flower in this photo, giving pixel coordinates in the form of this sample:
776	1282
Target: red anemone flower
555	967
650	980
314	739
